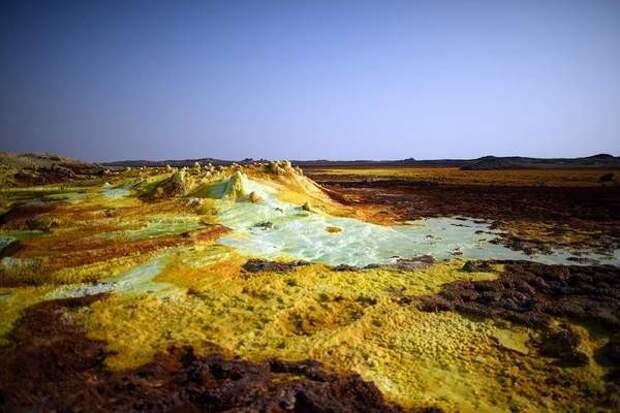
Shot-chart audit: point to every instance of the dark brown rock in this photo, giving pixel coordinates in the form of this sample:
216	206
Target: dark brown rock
477	266
419	262
606	178
414	263
612	349
563	345
10	248
609	355
531	293
258	265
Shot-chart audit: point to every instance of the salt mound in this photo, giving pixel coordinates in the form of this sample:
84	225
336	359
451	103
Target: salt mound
178	183
256	183
234	187
238	188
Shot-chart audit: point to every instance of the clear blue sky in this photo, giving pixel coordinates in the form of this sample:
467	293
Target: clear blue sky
310	80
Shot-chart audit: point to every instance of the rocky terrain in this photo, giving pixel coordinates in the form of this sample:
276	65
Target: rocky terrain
259	286
45	368
43	168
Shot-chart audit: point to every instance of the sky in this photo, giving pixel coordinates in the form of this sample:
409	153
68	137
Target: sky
115	80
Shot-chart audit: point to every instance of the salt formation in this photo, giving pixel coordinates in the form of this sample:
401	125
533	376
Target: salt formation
178	183
275	229
254	197
302	219
234	187
219	182
282	168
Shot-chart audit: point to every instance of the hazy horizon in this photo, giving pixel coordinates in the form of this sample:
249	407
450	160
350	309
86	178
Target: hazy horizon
310	80
305	159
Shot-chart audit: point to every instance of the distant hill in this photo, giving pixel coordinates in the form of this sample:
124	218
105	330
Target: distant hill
600	161
171	162
45	168
517	162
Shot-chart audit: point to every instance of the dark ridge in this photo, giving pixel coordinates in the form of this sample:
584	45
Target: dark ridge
59	166
602	156
171	162
601	161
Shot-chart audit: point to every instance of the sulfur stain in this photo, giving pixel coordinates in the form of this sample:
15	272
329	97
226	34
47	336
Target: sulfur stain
174	276
349	320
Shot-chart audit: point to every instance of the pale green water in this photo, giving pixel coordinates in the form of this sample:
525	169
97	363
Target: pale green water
116	192
297	234
136	280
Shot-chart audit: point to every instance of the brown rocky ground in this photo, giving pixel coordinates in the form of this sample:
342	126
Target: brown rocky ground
538	295
533	294
51	365
535	217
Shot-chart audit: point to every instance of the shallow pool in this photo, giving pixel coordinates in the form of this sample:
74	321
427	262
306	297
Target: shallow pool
274	229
